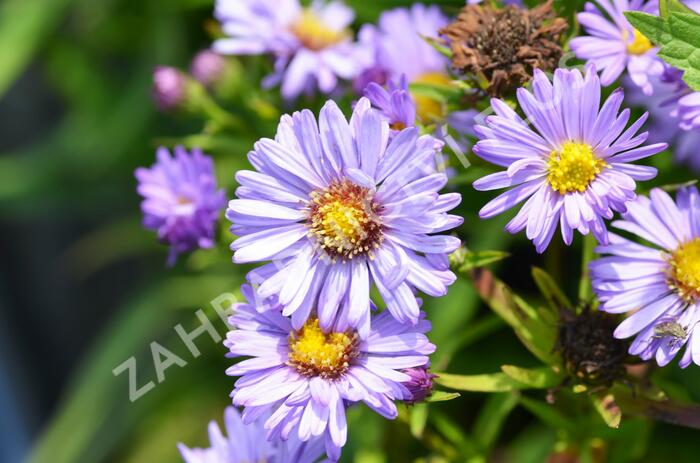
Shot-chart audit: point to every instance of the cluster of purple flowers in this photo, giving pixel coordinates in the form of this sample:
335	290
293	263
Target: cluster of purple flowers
335	208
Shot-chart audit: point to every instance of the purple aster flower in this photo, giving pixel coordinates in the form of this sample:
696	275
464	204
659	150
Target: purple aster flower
420	384
659	282
312	45
169	88
207	67
575	166
394	103
336	206
688	110
397	49
246	443
662	106
181	201
613	44
307	377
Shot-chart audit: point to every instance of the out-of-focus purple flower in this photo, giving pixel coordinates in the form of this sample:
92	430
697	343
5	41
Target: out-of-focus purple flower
688	111
207	67
394	103
338	206
246	443
312	45
398	42
659	283
307	377
664	127
420	385
169	88
181	201
613	44
575	166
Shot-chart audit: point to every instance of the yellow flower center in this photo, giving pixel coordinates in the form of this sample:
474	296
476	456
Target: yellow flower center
685	270
430	109
640	44
315	353
314	34
344	220
573	168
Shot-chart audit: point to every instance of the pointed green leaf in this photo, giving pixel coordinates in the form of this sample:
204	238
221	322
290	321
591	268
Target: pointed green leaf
442	396
550	290
418	419
678	35
538	378
491	382
464	260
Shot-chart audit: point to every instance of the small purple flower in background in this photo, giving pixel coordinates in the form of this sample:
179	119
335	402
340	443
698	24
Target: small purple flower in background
336	206
659	283
688	111
207	67
246	443
664	127
394	103
574	167
181	201
613	44
397	49
307	377
312	45
169	88
420	386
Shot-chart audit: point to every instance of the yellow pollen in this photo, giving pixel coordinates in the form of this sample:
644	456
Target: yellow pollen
685	270
315	353
314	34
429	109
573	168
640	44
343	218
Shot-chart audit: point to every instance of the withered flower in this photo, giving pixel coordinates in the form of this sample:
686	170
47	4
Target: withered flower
504	46
590	352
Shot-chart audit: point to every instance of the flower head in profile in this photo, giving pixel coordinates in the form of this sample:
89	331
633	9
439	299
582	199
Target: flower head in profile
312	46
337	206
658	282
613	45
207	67
246	443
394	103
305	378
573	166
181	201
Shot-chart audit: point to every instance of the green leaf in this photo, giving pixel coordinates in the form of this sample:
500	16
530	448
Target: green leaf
608	409
442	396
536	333
464	260
550	290
666	7
585	290
490	382
548	414
418	419
537	378
492	417
678	35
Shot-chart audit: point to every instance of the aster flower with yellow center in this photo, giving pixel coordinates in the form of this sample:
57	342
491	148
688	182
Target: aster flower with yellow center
613	45
312	46
338	206
659	282
573	166
302	380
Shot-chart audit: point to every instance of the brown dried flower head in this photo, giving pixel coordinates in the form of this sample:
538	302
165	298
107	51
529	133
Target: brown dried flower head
504	46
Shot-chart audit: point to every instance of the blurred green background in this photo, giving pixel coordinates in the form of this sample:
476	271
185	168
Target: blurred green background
85	288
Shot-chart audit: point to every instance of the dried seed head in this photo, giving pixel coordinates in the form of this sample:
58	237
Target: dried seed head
504	46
